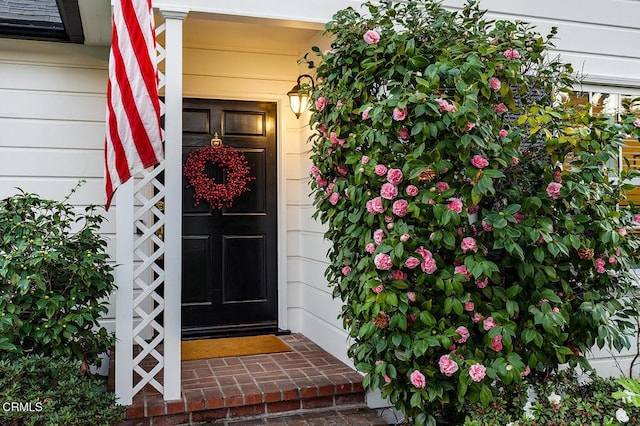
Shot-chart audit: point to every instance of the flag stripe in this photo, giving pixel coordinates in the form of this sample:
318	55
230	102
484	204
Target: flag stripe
133	139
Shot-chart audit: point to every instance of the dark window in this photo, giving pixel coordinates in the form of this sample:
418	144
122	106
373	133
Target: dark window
53	20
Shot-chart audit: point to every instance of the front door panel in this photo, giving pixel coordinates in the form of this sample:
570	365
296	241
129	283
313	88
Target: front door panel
229	266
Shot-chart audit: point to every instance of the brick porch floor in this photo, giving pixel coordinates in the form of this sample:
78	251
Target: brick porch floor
306	386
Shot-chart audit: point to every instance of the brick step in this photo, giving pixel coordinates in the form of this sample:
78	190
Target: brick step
358	415
213	408
224	389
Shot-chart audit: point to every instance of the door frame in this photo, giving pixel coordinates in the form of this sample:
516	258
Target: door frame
283	320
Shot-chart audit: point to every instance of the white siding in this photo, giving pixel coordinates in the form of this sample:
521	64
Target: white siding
52	100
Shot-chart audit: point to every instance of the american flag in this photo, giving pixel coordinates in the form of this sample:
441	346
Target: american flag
133	136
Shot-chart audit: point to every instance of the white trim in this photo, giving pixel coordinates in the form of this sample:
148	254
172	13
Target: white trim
173	204
124	294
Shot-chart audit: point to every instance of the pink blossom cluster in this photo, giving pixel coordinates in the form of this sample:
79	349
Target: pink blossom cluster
321	103
399	114
553	190
428	264
478	161
469	243
375	206
495	83
447	366
511	54
463	332
371	37
455	204
477	372
418	380
445	105
389	191
383	261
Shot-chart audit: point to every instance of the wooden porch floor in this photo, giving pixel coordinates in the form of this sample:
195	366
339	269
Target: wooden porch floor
306	386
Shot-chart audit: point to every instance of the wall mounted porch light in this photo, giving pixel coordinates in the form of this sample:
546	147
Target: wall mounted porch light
299	95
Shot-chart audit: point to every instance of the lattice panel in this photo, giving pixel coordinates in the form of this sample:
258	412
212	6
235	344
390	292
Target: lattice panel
148	275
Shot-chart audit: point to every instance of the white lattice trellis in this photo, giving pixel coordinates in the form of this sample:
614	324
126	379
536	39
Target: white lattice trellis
141	323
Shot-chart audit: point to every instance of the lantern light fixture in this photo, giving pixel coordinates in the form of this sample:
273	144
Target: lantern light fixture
300	94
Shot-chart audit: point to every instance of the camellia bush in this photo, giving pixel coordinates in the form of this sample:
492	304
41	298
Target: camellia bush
54	280
475	219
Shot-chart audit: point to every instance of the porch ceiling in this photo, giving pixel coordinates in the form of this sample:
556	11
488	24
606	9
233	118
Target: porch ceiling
250	34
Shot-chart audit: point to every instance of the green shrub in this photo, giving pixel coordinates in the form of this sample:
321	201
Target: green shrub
54	279
474	222
560	400
53	392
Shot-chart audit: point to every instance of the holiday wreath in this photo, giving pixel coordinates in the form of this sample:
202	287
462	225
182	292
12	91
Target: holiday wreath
206	188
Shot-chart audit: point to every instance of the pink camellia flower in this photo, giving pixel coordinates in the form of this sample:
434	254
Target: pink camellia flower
477	317
323	129
374	206
600	263
495	84
515	161
473	209
399	114
469	306
482	283
636	123
404	134
383	261
342	170
500	108
405	237
413	190
464	334
557	176
428	264
488	324
370	248
371	37
470	126
469	243
418	380
412	262
553	190
388	219
486	226
397	274
346	270
555	310
400	208
445	106
314	171
321	181
394	176
636	218
364	159
479	161
334	198
477	372
613	260
389	191
321	102
330	187
335	140
526	371
462	270
380	170
455	204
447	365
511	54
496	343
378	236
365	113
442	186
387	379
378	289
622	231
503	133
411	296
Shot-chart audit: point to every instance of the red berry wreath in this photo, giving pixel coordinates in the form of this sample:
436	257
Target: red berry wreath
218	195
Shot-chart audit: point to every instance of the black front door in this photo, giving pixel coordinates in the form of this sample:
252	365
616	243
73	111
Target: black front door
229	255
